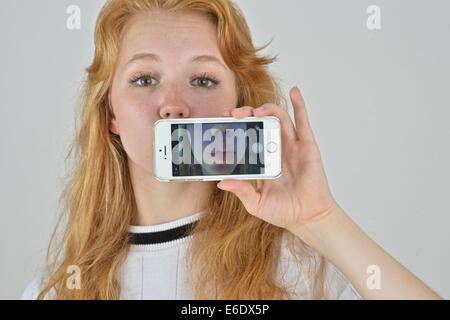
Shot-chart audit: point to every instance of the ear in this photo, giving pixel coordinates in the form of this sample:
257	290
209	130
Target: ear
113	126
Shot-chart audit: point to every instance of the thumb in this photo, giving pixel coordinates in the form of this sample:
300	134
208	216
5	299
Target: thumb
244	191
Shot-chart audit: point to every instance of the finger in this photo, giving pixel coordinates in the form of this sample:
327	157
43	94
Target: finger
259	185
244	191
304	130
226	113
242	112
287	127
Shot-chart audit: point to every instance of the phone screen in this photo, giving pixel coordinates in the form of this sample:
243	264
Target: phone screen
203	149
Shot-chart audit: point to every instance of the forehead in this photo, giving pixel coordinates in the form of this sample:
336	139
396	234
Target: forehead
170	34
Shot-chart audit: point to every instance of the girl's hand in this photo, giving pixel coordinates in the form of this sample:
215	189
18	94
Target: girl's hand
301	193
301	202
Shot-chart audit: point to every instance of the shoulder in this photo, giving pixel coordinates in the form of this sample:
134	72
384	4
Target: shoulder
303	271
337	286
34	287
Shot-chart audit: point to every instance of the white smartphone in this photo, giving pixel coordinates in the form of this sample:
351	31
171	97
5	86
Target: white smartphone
193	149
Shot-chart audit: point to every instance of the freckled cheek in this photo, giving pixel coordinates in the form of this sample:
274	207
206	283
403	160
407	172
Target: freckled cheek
212	107
136	132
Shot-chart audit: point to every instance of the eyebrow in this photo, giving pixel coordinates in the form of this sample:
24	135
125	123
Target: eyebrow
148	56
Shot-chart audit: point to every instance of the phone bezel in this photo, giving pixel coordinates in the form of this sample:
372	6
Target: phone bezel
162	168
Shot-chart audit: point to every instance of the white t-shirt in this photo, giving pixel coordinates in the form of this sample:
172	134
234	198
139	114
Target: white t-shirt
156	269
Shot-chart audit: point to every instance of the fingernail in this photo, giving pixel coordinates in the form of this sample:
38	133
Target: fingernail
296	91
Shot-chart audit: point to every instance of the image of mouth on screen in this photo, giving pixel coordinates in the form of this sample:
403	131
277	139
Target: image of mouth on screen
217	148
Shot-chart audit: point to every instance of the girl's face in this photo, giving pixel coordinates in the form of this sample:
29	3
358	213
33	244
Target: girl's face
169	66
226	148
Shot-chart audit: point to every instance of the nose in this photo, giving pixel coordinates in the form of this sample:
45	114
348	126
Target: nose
174	112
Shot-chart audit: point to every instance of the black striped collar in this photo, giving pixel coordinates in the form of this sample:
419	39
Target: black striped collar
163	235
158	237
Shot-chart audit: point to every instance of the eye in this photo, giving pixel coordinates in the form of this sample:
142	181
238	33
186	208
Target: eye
204	78
142	80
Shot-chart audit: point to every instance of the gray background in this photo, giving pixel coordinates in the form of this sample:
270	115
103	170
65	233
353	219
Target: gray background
378	102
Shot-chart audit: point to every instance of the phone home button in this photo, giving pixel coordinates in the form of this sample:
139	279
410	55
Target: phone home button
271	147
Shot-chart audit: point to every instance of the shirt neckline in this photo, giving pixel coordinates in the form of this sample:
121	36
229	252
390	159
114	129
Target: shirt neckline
164	235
